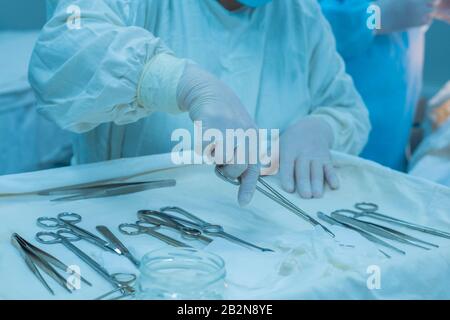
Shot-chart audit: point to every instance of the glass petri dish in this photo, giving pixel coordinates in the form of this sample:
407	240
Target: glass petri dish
181	274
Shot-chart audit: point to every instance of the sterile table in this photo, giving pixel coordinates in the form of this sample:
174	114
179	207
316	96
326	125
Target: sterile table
307	264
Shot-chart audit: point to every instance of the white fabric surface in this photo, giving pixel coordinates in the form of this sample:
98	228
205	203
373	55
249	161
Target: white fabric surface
279	59
307	263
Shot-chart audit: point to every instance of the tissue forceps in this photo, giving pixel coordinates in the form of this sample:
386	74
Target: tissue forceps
164	220
35	257
115	190
380	230
142	227
209	229
66	237
370	210
276	196
68	220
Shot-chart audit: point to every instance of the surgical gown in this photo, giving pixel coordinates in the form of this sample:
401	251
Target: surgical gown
280	59
387	71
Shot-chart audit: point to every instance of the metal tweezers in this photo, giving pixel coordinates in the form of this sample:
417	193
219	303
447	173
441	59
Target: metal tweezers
35	257
106	190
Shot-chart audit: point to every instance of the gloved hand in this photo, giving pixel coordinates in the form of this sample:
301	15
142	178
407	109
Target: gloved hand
209	100
400	15
305	159
443	11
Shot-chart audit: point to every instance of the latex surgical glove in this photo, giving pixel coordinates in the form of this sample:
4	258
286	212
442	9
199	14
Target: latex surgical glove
443	11
305	159
209	100
400	15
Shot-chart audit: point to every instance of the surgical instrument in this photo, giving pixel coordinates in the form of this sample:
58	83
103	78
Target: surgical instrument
68	220
363	233
118	190
113	239
35	257
369	210
381	231
209	229
164	220
60	237
141	227
128	281
273	194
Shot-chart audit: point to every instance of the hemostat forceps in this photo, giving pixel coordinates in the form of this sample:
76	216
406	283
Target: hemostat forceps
273	194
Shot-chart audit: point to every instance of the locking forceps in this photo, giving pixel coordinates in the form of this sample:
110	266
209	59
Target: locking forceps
276	196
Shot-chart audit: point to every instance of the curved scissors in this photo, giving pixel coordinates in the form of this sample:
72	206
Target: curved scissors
162	219
66	237
68	220
142	227
371	210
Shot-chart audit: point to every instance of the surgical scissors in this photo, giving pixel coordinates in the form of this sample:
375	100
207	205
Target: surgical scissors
68	220
35	257
273	194
370	210
113	239
209	229
60	237
142	227
381	231
162	219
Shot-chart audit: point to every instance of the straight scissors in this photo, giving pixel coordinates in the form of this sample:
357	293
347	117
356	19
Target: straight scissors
68	220
274	195
162	219
143	227
209	229
66	237
370	210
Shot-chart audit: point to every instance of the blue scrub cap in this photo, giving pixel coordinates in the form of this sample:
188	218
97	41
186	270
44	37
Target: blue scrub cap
254	3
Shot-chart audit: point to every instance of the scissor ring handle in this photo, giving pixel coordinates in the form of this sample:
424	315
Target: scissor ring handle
348	213
190	233
366	207
148	224
124	279
68	235
69	217
212	229
46	237
48	222
125	227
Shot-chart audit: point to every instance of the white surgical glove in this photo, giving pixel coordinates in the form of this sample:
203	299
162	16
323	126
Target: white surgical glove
400	15
305	159
209	100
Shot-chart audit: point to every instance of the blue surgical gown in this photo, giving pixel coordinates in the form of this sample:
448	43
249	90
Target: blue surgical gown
387	71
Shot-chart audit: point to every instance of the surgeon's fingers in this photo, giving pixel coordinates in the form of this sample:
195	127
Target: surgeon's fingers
287	163
317	177
303	177
331	176
234	171
249	179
